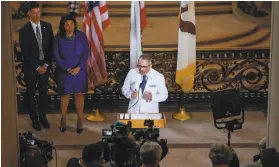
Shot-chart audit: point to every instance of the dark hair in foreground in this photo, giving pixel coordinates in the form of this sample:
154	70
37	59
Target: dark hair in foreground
92	153
62	32
269	157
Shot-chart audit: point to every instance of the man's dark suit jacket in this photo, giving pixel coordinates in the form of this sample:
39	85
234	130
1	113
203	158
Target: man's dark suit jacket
30	48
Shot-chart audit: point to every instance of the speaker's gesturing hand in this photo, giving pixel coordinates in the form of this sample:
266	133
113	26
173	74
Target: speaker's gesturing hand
134	94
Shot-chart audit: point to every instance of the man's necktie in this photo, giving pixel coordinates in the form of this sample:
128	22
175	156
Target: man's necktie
143	83
39	40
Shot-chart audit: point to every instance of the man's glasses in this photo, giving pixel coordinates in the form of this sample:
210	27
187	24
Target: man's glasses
139	66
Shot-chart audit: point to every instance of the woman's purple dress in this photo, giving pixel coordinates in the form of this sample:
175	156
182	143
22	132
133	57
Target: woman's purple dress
71	53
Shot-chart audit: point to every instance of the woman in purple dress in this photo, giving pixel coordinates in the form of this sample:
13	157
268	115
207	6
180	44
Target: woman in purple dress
71	53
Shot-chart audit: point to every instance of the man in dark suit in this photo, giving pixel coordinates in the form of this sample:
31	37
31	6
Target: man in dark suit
36	38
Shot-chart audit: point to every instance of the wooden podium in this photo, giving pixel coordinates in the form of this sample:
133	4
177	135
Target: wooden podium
137	120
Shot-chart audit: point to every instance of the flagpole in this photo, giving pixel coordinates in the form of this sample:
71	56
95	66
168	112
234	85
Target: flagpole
96	116
186	51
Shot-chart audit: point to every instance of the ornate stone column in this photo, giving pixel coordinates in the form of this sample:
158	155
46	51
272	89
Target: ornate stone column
273	91
9	135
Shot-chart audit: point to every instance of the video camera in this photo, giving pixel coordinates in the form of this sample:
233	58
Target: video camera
29	145
148	134
118	148
117	131
120	131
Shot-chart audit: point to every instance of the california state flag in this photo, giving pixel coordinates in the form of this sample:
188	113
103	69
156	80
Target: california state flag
138	23
186	53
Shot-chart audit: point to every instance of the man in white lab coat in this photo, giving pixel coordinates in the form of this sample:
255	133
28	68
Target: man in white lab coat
145	87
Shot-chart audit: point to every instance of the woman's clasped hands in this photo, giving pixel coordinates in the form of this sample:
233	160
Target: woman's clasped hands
73	71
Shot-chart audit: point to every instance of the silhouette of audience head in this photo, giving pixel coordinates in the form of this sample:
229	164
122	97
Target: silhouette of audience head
92	155
269	157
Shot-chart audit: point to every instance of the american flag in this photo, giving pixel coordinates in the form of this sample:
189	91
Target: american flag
95	21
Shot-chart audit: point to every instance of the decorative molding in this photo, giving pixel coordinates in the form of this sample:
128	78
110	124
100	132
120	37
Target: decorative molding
244	69
251	11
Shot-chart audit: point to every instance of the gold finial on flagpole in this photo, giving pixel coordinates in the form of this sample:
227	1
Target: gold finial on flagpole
181	115
96	116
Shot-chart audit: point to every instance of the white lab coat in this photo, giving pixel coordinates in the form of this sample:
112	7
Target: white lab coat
155	84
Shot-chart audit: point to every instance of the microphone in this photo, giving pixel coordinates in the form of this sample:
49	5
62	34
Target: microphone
137	99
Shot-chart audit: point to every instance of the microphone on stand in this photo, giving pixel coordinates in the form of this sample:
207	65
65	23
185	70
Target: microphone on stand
137	99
